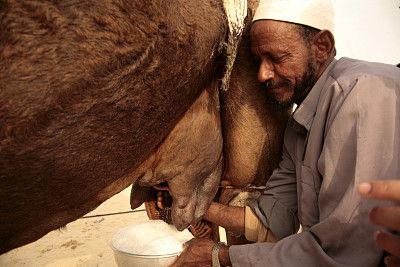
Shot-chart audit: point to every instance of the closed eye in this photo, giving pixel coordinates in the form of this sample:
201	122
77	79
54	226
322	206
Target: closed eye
277	59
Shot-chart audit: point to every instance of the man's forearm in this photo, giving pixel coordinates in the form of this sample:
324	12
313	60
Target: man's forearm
230	218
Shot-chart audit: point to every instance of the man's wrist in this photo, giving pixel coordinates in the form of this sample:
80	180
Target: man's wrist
223	256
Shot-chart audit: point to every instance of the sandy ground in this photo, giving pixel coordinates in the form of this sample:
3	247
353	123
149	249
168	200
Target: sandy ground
82	243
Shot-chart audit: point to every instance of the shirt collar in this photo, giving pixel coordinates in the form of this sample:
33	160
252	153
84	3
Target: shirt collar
304	113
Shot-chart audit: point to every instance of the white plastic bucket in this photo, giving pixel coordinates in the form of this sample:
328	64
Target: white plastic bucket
151	243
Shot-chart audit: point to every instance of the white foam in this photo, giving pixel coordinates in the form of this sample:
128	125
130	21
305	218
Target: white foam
150	238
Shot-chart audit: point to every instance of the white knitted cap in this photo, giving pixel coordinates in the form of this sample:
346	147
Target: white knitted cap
314	13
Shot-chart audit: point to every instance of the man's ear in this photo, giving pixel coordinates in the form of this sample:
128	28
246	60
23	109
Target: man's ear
323	46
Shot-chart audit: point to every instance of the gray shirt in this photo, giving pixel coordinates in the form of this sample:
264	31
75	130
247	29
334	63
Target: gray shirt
345	132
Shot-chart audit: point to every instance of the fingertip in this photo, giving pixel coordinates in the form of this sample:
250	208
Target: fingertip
372	214
364	188
376	235
225	182
186	244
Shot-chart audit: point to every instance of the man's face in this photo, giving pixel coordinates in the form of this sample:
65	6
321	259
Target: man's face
287	69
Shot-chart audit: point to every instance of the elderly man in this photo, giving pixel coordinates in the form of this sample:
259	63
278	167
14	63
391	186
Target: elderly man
345	131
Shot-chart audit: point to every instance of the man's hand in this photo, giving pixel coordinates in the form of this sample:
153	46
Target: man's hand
385	216
197	252
231	218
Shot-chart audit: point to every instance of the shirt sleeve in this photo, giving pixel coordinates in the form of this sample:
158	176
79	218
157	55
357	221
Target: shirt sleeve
361	144
254	230
277	206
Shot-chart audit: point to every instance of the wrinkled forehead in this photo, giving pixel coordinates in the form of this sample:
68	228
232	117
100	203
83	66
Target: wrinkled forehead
273	34
272	29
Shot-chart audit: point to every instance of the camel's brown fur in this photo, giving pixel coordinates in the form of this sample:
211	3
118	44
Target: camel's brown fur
91	90
88	89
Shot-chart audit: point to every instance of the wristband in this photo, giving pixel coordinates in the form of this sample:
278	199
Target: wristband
214	254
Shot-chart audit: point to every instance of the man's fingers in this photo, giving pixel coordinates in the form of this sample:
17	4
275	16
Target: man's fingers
386	216
174	264
389	242
180	260
385	190
187	243
177	262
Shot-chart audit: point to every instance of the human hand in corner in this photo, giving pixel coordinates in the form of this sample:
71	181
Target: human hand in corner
385	216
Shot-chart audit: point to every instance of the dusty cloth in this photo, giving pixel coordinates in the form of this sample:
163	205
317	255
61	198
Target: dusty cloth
346	131
236	12
245	198
314	13
254	229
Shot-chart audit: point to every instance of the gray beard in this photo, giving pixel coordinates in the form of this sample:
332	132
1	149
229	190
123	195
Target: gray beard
300	91
307	82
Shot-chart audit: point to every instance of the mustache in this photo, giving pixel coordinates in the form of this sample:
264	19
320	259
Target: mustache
272	85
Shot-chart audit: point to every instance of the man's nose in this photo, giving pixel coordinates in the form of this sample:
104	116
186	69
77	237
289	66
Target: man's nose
265	72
